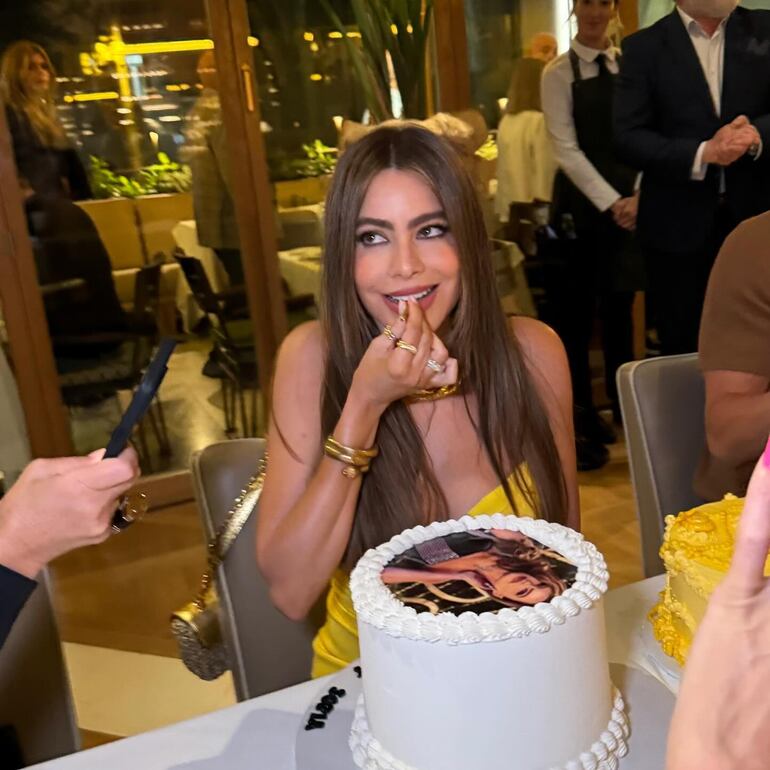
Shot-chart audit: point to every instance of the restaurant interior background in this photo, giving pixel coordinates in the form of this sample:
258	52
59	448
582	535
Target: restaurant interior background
141	88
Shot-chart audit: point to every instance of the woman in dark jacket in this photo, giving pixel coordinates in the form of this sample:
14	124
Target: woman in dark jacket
44	157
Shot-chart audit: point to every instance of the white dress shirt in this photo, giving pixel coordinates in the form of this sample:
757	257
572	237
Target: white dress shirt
711	55
556	97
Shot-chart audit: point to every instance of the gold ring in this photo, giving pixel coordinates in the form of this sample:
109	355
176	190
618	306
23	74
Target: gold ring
388	332
406	346
435	365
129	510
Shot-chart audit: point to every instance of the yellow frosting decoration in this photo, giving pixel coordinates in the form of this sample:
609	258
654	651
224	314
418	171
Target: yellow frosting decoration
697	548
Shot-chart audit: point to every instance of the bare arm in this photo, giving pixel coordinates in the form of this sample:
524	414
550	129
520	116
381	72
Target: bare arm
737	414
547	363
308	506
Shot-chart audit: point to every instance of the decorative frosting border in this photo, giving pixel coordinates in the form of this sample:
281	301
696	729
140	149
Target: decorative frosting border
376	605
604	754
663	618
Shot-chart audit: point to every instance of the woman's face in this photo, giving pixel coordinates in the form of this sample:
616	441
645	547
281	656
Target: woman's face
36	77
522	588
593	17
404	249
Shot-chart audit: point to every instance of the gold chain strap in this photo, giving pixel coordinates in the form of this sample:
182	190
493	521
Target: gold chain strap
228	531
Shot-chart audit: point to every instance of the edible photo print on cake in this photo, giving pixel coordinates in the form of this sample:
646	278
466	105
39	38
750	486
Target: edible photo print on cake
478	571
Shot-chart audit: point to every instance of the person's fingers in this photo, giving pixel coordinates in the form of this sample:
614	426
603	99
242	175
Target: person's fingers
130	456
447	377
117	473
420	361
43	468
752	540
741	120
438	351
403	358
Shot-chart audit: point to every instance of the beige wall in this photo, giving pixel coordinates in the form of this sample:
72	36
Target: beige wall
536	16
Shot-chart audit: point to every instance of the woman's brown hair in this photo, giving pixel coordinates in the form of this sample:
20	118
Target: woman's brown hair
524	88
41	113
401	489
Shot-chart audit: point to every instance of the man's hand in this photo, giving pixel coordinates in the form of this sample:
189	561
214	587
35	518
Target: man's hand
731	142
723	710
624	212
60	504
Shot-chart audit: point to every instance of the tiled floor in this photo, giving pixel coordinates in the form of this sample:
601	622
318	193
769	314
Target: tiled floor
113	603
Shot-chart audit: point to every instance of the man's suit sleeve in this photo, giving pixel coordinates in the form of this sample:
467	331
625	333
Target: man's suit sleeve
15	589
636	136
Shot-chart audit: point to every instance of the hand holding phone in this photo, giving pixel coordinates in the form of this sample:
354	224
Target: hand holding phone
140	403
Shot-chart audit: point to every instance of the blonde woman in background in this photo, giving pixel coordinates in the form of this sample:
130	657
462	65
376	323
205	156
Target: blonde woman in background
46	161
525	160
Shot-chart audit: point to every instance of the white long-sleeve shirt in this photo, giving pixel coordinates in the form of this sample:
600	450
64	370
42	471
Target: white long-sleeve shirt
556	97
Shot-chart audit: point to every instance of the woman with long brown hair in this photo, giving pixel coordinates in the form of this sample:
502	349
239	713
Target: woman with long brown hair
414	399
47	163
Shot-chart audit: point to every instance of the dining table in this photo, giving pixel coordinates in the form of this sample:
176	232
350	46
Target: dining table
268	732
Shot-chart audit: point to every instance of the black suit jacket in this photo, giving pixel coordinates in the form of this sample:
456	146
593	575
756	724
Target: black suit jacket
663	111
15	589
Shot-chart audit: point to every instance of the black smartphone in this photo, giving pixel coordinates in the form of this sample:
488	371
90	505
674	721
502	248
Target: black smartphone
140	403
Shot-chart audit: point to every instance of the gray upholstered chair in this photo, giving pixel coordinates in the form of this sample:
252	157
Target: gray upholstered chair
268	651
663	405
35	696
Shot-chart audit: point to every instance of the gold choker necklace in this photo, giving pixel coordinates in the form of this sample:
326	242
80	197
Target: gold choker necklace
433	394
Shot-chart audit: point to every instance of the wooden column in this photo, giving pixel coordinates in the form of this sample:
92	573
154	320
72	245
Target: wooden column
252	193
451	56
28	338
629	16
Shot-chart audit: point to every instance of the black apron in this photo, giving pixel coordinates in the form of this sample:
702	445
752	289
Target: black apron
621	263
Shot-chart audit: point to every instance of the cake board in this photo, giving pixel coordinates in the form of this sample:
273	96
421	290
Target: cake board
649	706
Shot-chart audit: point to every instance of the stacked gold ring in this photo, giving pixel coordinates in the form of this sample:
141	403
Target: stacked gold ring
406	346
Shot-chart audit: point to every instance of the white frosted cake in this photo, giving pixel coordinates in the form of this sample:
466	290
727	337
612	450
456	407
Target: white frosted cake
483	646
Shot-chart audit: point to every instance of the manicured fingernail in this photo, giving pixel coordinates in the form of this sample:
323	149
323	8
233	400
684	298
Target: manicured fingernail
403	310
766	455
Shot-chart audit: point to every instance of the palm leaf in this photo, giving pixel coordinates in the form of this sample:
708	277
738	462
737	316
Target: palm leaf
377	99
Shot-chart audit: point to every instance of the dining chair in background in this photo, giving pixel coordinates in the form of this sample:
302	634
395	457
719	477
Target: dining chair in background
663	404
267	650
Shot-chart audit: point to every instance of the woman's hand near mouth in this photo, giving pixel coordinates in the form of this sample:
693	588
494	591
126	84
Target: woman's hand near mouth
389	371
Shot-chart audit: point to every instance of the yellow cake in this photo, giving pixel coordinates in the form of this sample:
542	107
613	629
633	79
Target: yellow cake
697	549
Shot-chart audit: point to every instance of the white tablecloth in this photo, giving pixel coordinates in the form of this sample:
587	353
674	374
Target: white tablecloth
301	268
262	733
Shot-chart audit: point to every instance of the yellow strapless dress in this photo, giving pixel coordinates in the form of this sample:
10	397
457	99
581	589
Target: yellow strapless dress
336	644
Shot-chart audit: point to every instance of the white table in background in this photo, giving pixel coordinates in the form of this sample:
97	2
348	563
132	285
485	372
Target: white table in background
300	267
261	734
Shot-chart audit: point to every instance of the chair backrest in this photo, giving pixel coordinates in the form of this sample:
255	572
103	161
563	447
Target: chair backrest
199	283
35	696
268	651
147	292
663	404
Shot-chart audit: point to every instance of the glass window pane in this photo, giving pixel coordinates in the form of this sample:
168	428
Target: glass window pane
122	158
